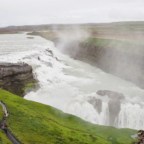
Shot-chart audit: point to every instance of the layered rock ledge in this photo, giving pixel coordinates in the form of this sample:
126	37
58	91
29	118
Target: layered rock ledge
16	77
114	104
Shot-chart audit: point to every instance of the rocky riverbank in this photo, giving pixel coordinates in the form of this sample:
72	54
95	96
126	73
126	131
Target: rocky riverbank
16	78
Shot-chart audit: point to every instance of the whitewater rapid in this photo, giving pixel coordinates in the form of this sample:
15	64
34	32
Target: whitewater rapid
71	85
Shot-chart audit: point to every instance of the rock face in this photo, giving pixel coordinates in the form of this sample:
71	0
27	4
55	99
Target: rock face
97	103
111	94
16	78
114	104
120	58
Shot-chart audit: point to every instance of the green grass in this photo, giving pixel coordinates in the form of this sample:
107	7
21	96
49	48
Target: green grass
3	138
125	46
34	123
114	42
29	86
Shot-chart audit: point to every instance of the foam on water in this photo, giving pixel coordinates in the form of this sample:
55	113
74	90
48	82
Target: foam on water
69	84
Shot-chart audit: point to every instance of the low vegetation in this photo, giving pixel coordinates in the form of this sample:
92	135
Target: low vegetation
3	138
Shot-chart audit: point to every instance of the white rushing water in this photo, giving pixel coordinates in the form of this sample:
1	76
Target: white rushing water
71	85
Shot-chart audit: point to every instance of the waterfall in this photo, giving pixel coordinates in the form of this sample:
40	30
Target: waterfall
88	113
71	85
131	116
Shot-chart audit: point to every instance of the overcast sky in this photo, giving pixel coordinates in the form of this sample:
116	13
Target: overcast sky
24	12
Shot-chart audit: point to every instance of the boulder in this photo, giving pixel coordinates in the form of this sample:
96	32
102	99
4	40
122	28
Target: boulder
16	77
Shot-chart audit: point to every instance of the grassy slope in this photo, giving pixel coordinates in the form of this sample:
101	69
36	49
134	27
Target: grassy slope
3	138
34	123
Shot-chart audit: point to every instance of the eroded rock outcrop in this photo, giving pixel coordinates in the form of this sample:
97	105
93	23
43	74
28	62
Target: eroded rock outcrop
114	103
16	78
113	107
97	103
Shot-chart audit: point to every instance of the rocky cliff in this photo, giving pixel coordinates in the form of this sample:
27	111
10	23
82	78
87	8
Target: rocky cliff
16	78
121	58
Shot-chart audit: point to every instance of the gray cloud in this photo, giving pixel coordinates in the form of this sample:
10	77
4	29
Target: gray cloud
20	12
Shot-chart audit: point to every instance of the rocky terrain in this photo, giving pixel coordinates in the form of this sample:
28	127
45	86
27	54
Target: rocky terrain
16	78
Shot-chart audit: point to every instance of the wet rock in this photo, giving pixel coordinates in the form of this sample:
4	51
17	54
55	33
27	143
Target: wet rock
97	103
50	52
114	103
111	94
114	109
140	137
16	78
30	37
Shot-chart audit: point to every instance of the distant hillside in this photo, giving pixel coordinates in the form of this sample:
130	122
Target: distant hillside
34	123
99	27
